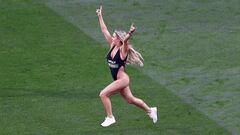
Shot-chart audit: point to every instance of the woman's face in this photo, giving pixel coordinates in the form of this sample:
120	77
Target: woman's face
116	40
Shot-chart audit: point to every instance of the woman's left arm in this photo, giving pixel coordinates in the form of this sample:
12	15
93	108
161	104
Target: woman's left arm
128	36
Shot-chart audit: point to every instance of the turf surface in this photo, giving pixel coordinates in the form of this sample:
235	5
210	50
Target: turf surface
190	46
51	73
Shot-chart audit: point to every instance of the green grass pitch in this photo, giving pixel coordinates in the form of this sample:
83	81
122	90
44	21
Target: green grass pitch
52	67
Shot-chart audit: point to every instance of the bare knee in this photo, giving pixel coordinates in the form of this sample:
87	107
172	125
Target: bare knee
130	100
134	100
102	94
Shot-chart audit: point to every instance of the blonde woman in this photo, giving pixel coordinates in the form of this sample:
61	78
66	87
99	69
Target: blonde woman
120	53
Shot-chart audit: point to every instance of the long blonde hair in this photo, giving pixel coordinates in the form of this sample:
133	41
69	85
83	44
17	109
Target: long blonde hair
134	57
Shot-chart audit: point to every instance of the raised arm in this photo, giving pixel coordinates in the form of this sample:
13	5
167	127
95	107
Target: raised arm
128	36
104	29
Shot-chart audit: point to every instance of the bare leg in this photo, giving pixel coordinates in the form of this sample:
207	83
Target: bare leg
127	95
112	88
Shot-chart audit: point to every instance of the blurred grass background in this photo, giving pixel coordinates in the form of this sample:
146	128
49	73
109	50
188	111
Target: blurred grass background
190	46
51	69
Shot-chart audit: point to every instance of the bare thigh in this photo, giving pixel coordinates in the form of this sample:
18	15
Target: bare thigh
115	86
127	94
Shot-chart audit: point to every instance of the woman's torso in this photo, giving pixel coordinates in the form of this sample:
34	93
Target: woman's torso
115	62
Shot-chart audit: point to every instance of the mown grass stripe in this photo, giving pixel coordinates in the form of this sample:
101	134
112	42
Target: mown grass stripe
51	74
188	46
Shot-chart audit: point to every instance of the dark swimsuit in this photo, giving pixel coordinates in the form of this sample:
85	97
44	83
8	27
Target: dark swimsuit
115	63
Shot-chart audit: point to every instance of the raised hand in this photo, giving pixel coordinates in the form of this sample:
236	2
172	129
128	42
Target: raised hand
99	11
132	28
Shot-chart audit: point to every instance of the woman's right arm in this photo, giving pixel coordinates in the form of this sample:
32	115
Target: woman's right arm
104	29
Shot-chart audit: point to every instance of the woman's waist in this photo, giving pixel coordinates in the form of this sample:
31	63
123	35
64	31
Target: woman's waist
115	64
122	74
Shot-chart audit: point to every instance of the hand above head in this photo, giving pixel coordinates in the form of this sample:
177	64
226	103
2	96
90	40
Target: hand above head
99	11
132	29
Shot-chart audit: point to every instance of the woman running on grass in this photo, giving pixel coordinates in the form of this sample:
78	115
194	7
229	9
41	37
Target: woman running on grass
120	53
